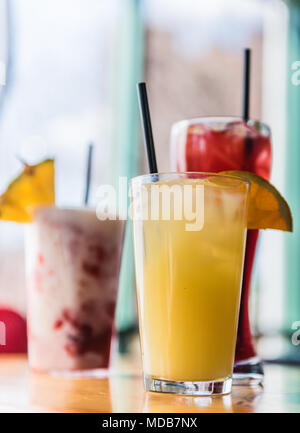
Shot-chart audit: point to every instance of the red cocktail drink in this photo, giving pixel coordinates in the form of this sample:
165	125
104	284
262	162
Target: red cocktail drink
215	144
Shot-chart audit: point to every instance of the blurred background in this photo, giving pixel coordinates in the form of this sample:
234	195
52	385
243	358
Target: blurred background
68	70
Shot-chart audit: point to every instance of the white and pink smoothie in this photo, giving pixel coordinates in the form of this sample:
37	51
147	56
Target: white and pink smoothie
72	263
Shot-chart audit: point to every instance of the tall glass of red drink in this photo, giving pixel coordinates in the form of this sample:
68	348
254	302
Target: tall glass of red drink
215	144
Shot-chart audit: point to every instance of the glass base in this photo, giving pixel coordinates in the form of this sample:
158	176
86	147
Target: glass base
188	388
249	372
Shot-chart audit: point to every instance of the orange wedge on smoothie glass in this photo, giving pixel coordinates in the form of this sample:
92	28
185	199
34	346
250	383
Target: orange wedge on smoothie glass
33	187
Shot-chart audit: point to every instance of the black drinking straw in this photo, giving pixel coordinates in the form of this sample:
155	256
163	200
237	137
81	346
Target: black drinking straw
88	173
246	84
146	126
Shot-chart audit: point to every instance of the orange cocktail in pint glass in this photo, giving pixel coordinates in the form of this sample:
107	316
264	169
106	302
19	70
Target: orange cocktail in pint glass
189	278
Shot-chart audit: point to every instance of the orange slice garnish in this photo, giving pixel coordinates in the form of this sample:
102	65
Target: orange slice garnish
267	209
33	187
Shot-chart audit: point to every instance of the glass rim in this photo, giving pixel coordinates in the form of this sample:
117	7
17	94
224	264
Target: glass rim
221	118
177	174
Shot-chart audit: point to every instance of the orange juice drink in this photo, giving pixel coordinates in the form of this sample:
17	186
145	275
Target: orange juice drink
188	275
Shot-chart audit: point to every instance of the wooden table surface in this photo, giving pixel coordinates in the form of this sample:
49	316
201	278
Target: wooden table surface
21	391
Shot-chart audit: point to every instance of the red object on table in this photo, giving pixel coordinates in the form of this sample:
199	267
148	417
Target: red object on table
13	335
